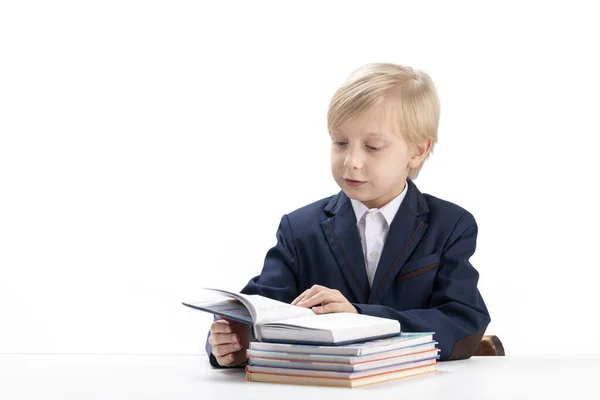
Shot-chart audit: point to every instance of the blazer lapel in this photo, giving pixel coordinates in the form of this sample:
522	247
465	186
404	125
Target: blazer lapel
342	235
407	229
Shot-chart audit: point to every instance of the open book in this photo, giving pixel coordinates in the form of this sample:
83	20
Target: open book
275	321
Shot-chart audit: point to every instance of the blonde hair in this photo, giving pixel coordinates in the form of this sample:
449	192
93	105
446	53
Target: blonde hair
409	94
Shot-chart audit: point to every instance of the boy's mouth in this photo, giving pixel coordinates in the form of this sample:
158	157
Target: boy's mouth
353	183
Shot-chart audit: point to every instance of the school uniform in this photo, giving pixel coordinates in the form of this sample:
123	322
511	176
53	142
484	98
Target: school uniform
407	261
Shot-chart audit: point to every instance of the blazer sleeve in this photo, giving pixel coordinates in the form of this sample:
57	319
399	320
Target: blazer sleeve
456	312
279	277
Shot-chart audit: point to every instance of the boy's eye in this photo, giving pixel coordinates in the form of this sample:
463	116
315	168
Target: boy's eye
373	148
341	143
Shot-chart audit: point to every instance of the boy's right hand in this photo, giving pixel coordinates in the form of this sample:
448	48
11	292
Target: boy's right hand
229	341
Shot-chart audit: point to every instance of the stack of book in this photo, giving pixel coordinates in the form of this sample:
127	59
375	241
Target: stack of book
294	345
353	365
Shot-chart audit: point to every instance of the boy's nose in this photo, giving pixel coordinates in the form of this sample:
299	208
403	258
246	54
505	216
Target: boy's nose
352	161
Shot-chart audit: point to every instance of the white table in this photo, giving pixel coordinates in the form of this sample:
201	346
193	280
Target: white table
191	377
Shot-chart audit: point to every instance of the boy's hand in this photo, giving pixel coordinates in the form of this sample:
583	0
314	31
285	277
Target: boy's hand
229	341
329	300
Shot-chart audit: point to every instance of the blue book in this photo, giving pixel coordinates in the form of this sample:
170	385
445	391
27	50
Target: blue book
404	340
279	322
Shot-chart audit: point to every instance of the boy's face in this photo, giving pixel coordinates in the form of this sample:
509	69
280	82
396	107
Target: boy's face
370	161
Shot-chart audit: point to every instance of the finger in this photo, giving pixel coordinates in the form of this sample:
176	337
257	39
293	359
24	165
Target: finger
299	298
223	349
313	291
322	297
216	339
225	319
232	359
221	326
244	331
310	297
331	308
308	292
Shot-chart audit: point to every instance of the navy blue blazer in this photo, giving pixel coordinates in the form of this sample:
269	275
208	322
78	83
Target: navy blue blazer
424	278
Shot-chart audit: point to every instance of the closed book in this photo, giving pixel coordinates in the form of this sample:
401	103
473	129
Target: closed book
337	382
404	340
336	374
343	367
340	358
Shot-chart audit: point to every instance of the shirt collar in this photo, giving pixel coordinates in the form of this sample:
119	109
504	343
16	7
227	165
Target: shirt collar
388	211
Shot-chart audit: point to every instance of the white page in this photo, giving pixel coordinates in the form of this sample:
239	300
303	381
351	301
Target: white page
238	296
269	310
339	320
229	308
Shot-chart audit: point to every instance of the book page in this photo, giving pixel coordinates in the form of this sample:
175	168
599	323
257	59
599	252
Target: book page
269	310
239	297
263	309
338	321
227	308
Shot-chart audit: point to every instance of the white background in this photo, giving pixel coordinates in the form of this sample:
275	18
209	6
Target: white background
148	149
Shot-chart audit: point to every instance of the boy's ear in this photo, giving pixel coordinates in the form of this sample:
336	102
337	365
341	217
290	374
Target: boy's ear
419	153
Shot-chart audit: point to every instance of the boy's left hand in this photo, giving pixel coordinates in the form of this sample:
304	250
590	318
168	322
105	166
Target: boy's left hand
329	300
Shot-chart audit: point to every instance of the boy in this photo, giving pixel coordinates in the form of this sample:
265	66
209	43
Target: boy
379	247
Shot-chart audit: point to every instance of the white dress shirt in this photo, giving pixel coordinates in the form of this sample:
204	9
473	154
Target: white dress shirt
373	227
